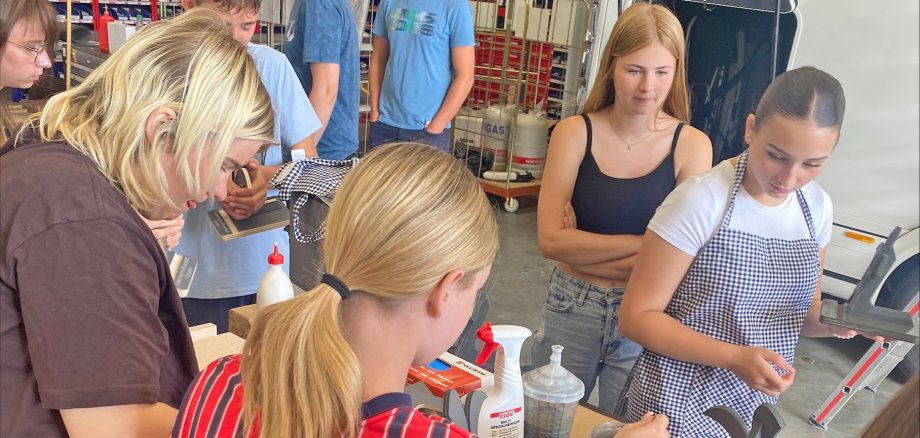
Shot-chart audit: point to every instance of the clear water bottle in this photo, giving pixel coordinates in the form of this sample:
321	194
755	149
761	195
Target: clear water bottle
551	396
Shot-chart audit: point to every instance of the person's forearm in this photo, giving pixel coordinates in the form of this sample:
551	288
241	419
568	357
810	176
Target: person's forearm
459	89
375	73
618	269
374	82
662	334
307	145
576	247
812	326
126	421
323	100
269	171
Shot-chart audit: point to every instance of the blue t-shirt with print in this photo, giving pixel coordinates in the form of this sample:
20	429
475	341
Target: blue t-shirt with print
323	31
421	34
233	268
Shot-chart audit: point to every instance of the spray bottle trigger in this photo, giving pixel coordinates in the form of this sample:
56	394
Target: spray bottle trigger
485	335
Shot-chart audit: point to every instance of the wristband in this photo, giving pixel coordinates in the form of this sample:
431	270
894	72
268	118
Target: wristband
297	155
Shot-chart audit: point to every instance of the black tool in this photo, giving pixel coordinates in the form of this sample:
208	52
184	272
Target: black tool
861	314
766	423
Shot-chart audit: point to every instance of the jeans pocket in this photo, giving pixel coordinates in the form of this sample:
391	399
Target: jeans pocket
559	299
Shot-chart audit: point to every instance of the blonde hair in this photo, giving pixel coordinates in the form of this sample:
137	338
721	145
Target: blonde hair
640	25
898	419
402	219
190	64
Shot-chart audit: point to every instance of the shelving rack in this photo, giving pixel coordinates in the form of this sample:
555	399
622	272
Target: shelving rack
529	53
365	42
272	23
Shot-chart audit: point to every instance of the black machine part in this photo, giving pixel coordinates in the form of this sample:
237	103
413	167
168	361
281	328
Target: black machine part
767	421
861	314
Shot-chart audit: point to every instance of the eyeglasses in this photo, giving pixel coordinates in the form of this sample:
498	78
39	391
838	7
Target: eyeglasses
37	50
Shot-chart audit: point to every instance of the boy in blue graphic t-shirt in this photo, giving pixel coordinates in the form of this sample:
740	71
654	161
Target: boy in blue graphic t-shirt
421	70
322	45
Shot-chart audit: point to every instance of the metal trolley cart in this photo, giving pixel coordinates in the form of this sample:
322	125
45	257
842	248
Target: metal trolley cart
529	74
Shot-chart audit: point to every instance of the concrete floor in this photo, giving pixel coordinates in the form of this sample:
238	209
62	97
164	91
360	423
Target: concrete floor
518	285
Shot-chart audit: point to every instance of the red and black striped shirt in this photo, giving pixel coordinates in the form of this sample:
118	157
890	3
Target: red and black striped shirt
213	408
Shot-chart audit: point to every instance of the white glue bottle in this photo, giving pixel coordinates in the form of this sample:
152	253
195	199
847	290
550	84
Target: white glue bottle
502	413
275	285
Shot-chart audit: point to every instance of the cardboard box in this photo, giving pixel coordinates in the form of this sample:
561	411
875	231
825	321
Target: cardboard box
118	34
450	372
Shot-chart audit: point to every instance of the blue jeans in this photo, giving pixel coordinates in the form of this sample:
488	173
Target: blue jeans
381	134
583	318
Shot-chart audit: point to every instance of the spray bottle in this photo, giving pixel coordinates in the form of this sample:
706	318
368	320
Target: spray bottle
502	413
103	29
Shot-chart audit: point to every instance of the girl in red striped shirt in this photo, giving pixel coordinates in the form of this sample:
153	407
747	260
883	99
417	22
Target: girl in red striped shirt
410	239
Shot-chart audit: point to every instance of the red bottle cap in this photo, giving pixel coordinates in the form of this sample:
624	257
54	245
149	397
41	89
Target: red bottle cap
276	258
485	335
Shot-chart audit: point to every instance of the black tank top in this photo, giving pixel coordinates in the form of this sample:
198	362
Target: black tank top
607	205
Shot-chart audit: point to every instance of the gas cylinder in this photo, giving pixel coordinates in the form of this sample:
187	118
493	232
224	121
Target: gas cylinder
531	136
496	129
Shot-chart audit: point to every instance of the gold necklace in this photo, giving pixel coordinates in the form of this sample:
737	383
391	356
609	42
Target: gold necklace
628	144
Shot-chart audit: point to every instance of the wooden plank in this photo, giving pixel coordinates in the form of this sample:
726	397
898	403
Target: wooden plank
211	348
240	319
201	331
586	418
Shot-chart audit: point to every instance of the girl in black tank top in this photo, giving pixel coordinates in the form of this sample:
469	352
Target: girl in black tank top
610	205
593	223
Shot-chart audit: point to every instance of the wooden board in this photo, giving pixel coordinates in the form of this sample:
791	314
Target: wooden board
210	348
586	418
240	319
510	189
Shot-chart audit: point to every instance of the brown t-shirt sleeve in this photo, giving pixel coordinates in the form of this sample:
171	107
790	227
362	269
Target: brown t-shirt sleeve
90	310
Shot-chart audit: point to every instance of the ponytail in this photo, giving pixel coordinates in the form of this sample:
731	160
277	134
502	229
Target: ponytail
301	377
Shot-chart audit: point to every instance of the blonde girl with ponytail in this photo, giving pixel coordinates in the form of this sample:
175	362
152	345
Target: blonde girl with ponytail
410	239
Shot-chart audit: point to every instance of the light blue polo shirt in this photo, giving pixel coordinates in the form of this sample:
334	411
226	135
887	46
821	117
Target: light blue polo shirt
421	34
234	268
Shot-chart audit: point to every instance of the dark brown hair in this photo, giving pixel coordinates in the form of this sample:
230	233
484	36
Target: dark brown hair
805	93
898	419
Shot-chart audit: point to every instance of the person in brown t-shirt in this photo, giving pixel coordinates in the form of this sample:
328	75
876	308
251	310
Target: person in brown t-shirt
93	340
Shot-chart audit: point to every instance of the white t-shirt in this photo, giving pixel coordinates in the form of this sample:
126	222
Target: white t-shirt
690	215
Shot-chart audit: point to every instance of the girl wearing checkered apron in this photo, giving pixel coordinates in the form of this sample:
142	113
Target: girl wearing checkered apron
728	275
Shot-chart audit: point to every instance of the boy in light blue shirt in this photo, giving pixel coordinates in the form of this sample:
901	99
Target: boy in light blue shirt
228	272
421	70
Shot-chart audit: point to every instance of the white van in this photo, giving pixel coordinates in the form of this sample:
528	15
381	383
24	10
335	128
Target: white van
873	48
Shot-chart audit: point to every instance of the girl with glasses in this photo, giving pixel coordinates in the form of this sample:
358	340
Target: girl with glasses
26	29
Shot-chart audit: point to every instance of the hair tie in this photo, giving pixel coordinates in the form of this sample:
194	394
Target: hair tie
336	284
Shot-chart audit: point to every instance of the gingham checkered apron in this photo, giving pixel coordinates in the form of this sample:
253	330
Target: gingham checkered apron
743	289
311	177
